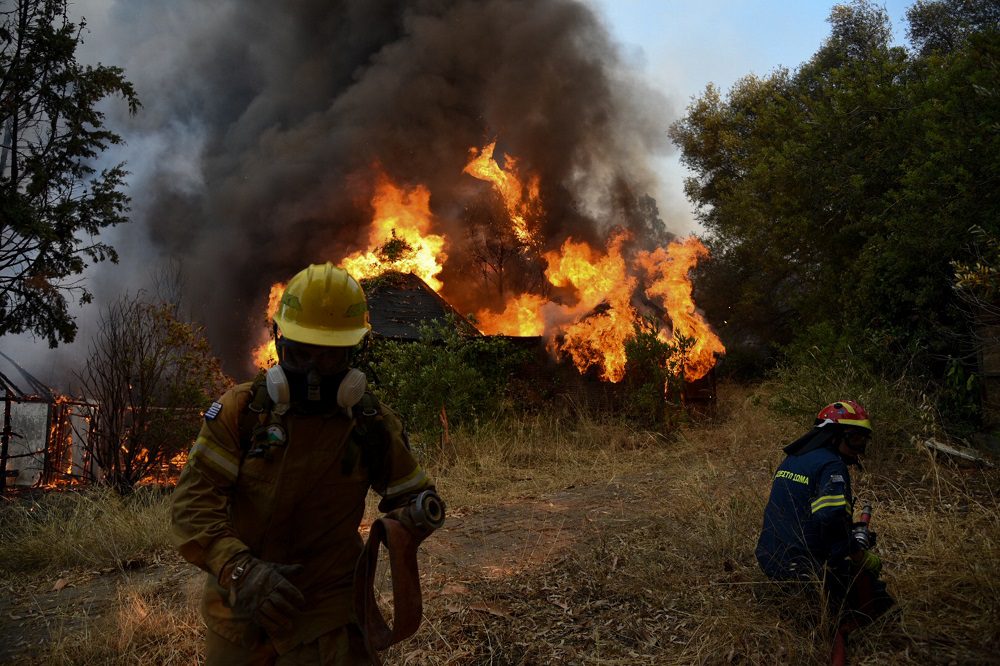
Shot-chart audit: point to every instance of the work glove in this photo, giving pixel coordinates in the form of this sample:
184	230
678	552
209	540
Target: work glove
870	562
262	590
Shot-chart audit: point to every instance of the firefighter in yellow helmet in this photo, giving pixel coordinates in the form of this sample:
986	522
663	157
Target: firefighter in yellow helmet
271	498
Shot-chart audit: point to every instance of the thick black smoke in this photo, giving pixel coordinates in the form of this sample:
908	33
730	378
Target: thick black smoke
270	117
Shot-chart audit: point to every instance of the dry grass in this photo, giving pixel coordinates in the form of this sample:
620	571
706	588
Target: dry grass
655	563
677	582
150	622
93	528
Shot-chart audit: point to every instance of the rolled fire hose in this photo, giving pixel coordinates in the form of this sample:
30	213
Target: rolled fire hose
401	543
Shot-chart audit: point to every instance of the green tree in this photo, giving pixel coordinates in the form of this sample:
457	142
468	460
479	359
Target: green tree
944	25
840	193
53	203
949	181
467	375
789	173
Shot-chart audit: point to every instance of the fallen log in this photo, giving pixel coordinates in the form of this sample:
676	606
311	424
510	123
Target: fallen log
962	452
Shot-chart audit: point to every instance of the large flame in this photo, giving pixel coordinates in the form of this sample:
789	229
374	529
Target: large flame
594	314
400	237
522	316
520	198
668	270
265	355
591	330
597	339
594	329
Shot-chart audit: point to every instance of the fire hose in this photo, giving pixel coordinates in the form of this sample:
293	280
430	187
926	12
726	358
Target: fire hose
863	584
401	531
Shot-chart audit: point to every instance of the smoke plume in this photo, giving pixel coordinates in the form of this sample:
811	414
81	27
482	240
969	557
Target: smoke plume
264	124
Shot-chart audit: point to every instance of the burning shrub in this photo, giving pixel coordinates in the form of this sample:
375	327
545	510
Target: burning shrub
150	372
654	374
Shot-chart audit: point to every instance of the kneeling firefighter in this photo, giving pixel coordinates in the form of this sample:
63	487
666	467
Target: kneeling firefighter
808	532
273	493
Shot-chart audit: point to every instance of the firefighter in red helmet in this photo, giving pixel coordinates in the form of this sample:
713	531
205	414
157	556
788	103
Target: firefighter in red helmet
271	498
808	532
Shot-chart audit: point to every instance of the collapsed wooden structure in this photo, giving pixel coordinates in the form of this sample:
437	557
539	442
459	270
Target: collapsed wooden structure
44	435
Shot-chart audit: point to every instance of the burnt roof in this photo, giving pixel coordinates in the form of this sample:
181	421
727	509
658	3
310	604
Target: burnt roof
18	383
400	303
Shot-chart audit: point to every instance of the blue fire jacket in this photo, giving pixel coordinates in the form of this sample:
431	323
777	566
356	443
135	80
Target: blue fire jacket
807	521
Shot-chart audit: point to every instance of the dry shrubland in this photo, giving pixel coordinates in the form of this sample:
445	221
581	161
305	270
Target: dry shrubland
653	564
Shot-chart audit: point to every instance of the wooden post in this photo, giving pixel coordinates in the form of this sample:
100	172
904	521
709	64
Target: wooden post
988	343
445	436
5	442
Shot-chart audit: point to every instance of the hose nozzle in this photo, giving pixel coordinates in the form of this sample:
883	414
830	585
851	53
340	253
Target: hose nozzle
427	511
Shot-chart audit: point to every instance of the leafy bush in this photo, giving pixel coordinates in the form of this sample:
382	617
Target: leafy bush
821	351
654	375
465	375
802	388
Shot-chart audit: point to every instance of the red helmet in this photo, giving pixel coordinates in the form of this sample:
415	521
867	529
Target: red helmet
844	412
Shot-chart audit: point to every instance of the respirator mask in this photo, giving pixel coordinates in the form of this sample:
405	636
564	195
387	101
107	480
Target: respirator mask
314	379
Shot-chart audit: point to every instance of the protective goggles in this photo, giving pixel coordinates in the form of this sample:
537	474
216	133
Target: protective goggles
302	357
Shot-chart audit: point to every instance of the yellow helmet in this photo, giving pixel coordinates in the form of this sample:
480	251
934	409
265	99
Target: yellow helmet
323	305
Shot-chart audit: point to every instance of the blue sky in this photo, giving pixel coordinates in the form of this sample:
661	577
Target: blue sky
682	44
679	46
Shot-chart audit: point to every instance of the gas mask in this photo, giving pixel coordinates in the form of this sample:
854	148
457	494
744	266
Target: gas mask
312	393
314	380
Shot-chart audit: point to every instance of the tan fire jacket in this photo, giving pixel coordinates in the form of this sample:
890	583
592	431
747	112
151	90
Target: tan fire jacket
297	501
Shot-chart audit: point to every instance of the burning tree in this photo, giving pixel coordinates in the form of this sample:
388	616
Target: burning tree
149	371
506	263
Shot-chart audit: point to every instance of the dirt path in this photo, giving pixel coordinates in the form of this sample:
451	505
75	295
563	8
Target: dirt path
36	611
515	536
493	542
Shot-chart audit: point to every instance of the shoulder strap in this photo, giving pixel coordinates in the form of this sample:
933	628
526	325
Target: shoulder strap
253	416
368	431
366	419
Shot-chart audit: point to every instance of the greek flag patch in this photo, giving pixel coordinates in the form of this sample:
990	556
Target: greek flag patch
834	478
213	411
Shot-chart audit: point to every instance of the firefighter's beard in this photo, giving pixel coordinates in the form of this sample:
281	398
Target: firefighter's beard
313	393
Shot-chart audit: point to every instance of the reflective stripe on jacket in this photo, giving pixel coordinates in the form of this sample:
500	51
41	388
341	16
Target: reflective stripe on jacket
299	502
807	521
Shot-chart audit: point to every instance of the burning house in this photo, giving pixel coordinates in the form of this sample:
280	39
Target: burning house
501	151
44	436
401	303
584	309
